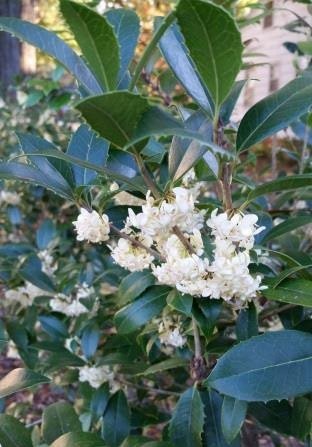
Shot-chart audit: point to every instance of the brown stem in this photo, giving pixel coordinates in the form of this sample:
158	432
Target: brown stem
137	243
226	182
176	230
147	176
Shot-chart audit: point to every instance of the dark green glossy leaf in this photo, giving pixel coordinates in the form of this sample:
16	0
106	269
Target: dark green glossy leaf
286	183
288	225
90	340
301	421
79	439
54	169
53	326
176	55
97	40
180	302
136	314
19	379
29	174
31	271
230	102
45	234
116	421
233	414
187	421
247	322
220	44
13	433
100	400
213	435
85	145
58	419
133	285
294	291
274	415
114	115
51	44
268	373
275	112
126	25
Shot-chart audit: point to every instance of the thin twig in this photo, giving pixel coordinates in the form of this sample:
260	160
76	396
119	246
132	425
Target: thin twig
137	243
176	230
152	390
275	311
198	352
148	179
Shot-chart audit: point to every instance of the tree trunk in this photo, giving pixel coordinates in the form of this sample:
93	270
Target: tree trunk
28	61
9	47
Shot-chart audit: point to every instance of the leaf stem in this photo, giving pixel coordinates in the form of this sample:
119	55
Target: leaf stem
137	243
169	19
198	351
148	179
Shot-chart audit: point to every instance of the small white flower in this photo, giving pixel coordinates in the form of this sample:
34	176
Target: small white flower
96	375
169	333
10	198
24	295
132	257
71	305
48	264
92	227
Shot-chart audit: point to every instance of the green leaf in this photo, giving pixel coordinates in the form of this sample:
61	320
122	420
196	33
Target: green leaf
114	115
19	379
294	291
116	421
52	45
187	421
45	234
180	302
274	415
79	439
275	112
165	365
233	414
286	183
247	322
285	273
90	340
31	271
97	40
134	285
58	419
100	400
301	421
147	306
20	171
13	433
213	435
85	145
228	106
211	35
268	373
55	169
53	326
173	49
126	119
285	227
126	25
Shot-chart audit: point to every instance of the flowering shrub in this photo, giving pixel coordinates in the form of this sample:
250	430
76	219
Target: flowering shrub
173	306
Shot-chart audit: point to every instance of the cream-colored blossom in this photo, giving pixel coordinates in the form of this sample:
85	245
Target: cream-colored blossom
91	226
96	375
9	197
132	257
23	295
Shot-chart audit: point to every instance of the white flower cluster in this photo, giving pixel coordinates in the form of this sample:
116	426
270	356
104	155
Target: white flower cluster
23	295
185	266
9	197
169	230
169	333
91	226
71	305
97	375
47	262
